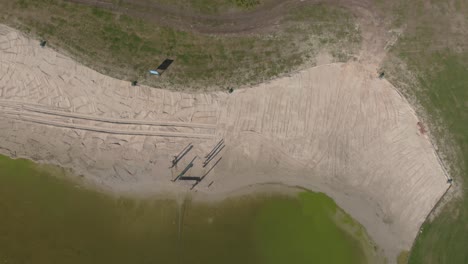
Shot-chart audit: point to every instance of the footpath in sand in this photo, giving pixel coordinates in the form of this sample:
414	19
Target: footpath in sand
334	128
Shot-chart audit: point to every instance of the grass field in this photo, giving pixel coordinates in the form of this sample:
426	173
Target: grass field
430	65
126	47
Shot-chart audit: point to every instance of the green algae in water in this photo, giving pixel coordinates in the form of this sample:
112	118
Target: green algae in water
45	218
304	231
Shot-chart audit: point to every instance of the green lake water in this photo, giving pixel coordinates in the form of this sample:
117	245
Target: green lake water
47	219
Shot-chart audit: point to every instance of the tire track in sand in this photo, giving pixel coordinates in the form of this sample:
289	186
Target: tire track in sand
33	114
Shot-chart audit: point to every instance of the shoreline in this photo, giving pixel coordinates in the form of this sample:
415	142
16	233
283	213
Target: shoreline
44	176
335	129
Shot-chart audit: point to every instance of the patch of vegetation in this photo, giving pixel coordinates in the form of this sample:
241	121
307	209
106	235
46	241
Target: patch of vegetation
126	48
430	65
246	3
403	257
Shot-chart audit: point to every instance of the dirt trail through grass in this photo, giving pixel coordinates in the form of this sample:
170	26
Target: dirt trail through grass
242	21
193	15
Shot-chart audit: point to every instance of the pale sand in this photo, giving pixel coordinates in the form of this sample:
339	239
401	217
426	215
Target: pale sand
335	128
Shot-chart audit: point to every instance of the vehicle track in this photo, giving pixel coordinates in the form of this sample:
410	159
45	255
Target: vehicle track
24	112
117	121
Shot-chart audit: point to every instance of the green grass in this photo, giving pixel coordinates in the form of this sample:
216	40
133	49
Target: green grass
429	64
444	239
126	47
47	218
403	257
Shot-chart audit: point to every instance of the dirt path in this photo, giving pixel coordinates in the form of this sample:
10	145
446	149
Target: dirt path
240	22
258	20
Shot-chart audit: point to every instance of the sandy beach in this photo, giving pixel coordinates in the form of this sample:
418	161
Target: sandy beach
335	128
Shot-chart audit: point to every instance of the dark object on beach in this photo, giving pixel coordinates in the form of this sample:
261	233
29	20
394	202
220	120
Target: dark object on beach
162	68
166	63
450	180
43	43
182	174
230	90
381	75
181	155
134	83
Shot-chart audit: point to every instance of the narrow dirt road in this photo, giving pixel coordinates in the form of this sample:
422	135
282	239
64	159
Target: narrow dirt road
259	20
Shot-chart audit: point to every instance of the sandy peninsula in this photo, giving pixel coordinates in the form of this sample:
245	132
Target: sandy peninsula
335	128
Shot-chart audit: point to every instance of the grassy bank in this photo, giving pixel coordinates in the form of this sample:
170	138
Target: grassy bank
429	64
125	47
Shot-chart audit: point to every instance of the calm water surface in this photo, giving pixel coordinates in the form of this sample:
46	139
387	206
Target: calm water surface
47	219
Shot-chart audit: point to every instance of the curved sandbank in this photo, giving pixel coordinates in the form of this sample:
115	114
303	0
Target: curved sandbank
335	128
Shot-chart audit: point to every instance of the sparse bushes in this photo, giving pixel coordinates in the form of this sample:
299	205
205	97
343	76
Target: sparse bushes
246	3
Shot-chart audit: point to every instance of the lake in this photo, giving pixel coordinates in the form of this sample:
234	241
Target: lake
47	218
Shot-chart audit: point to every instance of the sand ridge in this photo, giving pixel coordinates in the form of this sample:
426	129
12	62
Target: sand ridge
335	128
